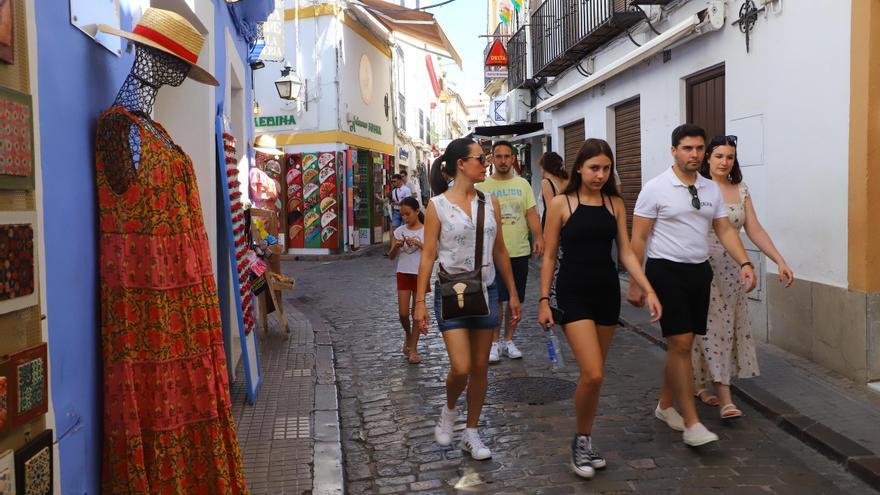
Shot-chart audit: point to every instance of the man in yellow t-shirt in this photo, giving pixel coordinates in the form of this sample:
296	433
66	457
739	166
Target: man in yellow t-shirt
518	217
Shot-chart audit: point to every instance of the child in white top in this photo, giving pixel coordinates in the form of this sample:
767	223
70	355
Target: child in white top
407	242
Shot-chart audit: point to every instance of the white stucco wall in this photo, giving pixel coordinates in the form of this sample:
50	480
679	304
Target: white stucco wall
371	106
787	100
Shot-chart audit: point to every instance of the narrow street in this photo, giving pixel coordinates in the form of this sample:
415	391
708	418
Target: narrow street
388	409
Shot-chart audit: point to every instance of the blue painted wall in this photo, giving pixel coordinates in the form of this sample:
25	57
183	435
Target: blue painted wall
78	79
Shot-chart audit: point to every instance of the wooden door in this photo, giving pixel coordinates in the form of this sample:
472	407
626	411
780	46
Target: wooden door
628	153
705	102
573	139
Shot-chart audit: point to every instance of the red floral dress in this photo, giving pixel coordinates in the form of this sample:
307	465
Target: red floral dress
168	427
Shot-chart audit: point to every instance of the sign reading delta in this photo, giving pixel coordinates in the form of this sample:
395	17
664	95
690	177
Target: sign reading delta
497	54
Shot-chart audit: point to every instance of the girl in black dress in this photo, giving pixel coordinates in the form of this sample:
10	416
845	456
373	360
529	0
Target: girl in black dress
585	219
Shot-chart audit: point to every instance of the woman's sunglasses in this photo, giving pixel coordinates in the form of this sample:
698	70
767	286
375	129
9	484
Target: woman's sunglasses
695	200
481	158
724	140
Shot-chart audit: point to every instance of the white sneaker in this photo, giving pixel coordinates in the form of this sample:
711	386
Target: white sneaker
511	350
698	435
494	353
443	430
473	445
671	417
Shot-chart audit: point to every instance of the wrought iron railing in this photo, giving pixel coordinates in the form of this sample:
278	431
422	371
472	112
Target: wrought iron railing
566	30
517	66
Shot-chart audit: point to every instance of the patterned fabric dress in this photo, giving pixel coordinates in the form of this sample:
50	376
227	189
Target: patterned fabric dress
727	350
167	421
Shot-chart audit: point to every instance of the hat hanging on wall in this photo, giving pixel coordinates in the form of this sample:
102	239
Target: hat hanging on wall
266	144
169	32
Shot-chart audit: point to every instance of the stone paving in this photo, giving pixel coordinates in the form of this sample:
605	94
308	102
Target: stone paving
388	409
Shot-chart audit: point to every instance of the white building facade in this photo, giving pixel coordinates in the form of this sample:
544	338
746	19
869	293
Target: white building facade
790	99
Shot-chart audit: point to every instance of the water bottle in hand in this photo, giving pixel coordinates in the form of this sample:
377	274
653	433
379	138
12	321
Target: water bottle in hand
554	352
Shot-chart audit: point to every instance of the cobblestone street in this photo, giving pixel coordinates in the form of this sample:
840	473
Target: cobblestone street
388	409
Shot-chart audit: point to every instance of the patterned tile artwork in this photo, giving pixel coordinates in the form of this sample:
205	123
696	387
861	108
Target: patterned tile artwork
16	148
4	403
16	260
31	381
7	473
37	473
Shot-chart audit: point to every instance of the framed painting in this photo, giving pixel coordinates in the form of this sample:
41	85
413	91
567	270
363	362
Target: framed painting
29	389
7	473
7	31
33	466
18	273
16	139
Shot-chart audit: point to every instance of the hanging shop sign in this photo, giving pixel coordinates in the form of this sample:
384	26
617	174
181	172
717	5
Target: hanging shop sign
496	61
354	123
274	121
403	153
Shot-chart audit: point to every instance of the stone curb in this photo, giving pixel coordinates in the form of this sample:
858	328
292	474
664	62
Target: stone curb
327	455
364	251
857	459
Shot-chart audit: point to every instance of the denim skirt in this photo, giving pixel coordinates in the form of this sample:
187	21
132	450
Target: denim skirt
489	321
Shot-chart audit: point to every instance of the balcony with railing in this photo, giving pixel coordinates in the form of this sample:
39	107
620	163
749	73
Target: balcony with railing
517	65
564	31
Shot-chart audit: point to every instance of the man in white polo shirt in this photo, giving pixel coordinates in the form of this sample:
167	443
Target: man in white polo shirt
679	209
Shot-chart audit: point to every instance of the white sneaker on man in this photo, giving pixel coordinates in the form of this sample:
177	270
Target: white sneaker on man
671	417
494	353
511	350
443	430
473	445
697	435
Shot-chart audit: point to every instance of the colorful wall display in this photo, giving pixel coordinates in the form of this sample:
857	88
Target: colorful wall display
313	200
33	466
17	258
295	205
239	234
7	473
16	140
29	388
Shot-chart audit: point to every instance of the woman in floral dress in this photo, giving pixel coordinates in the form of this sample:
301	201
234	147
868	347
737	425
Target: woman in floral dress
727	351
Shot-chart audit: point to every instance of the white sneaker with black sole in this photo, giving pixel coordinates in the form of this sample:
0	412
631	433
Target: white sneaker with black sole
473	445
445	424
494	353
511	351
582	457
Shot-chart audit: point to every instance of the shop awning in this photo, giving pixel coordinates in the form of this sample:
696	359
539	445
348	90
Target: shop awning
695	24
510	132
417	24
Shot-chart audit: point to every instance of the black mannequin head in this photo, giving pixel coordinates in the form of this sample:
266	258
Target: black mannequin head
157	68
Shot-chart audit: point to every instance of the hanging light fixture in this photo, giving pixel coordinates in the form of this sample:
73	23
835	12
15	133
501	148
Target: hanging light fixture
257	109
289	85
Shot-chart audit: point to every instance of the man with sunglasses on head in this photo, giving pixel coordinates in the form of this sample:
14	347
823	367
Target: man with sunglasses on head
678	210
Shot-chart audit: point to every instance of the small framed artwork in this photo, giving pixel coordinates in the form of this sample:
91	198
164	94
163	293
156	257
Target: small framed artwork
30	389
7	32
7	473
6	406
16	139
33	466
18	274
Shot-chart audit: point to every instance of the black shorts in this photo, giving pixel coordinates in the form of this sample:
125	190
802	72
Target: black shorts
520	266
683	290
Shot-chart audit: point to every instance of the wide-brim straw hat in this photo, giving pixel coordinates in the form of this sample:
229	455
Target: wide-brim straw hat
169	32
266	144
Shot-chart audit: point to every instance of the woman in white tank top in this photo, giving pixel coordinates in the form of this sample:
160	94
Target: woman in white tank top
450	235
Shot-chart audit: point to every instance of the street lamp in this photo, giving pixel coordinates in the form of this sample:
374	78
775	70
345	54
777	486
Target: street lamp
289	85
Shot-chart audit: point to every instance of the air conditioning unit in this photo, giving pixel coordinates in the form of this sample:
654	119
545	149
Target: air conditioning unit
518	105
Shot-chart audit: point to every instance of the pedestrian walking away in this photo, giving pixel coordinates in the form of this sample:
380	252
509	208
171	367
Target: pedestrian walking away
518	219
399	191
554	180
585	219
451	223
407	243
413	184
727	351
677	209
